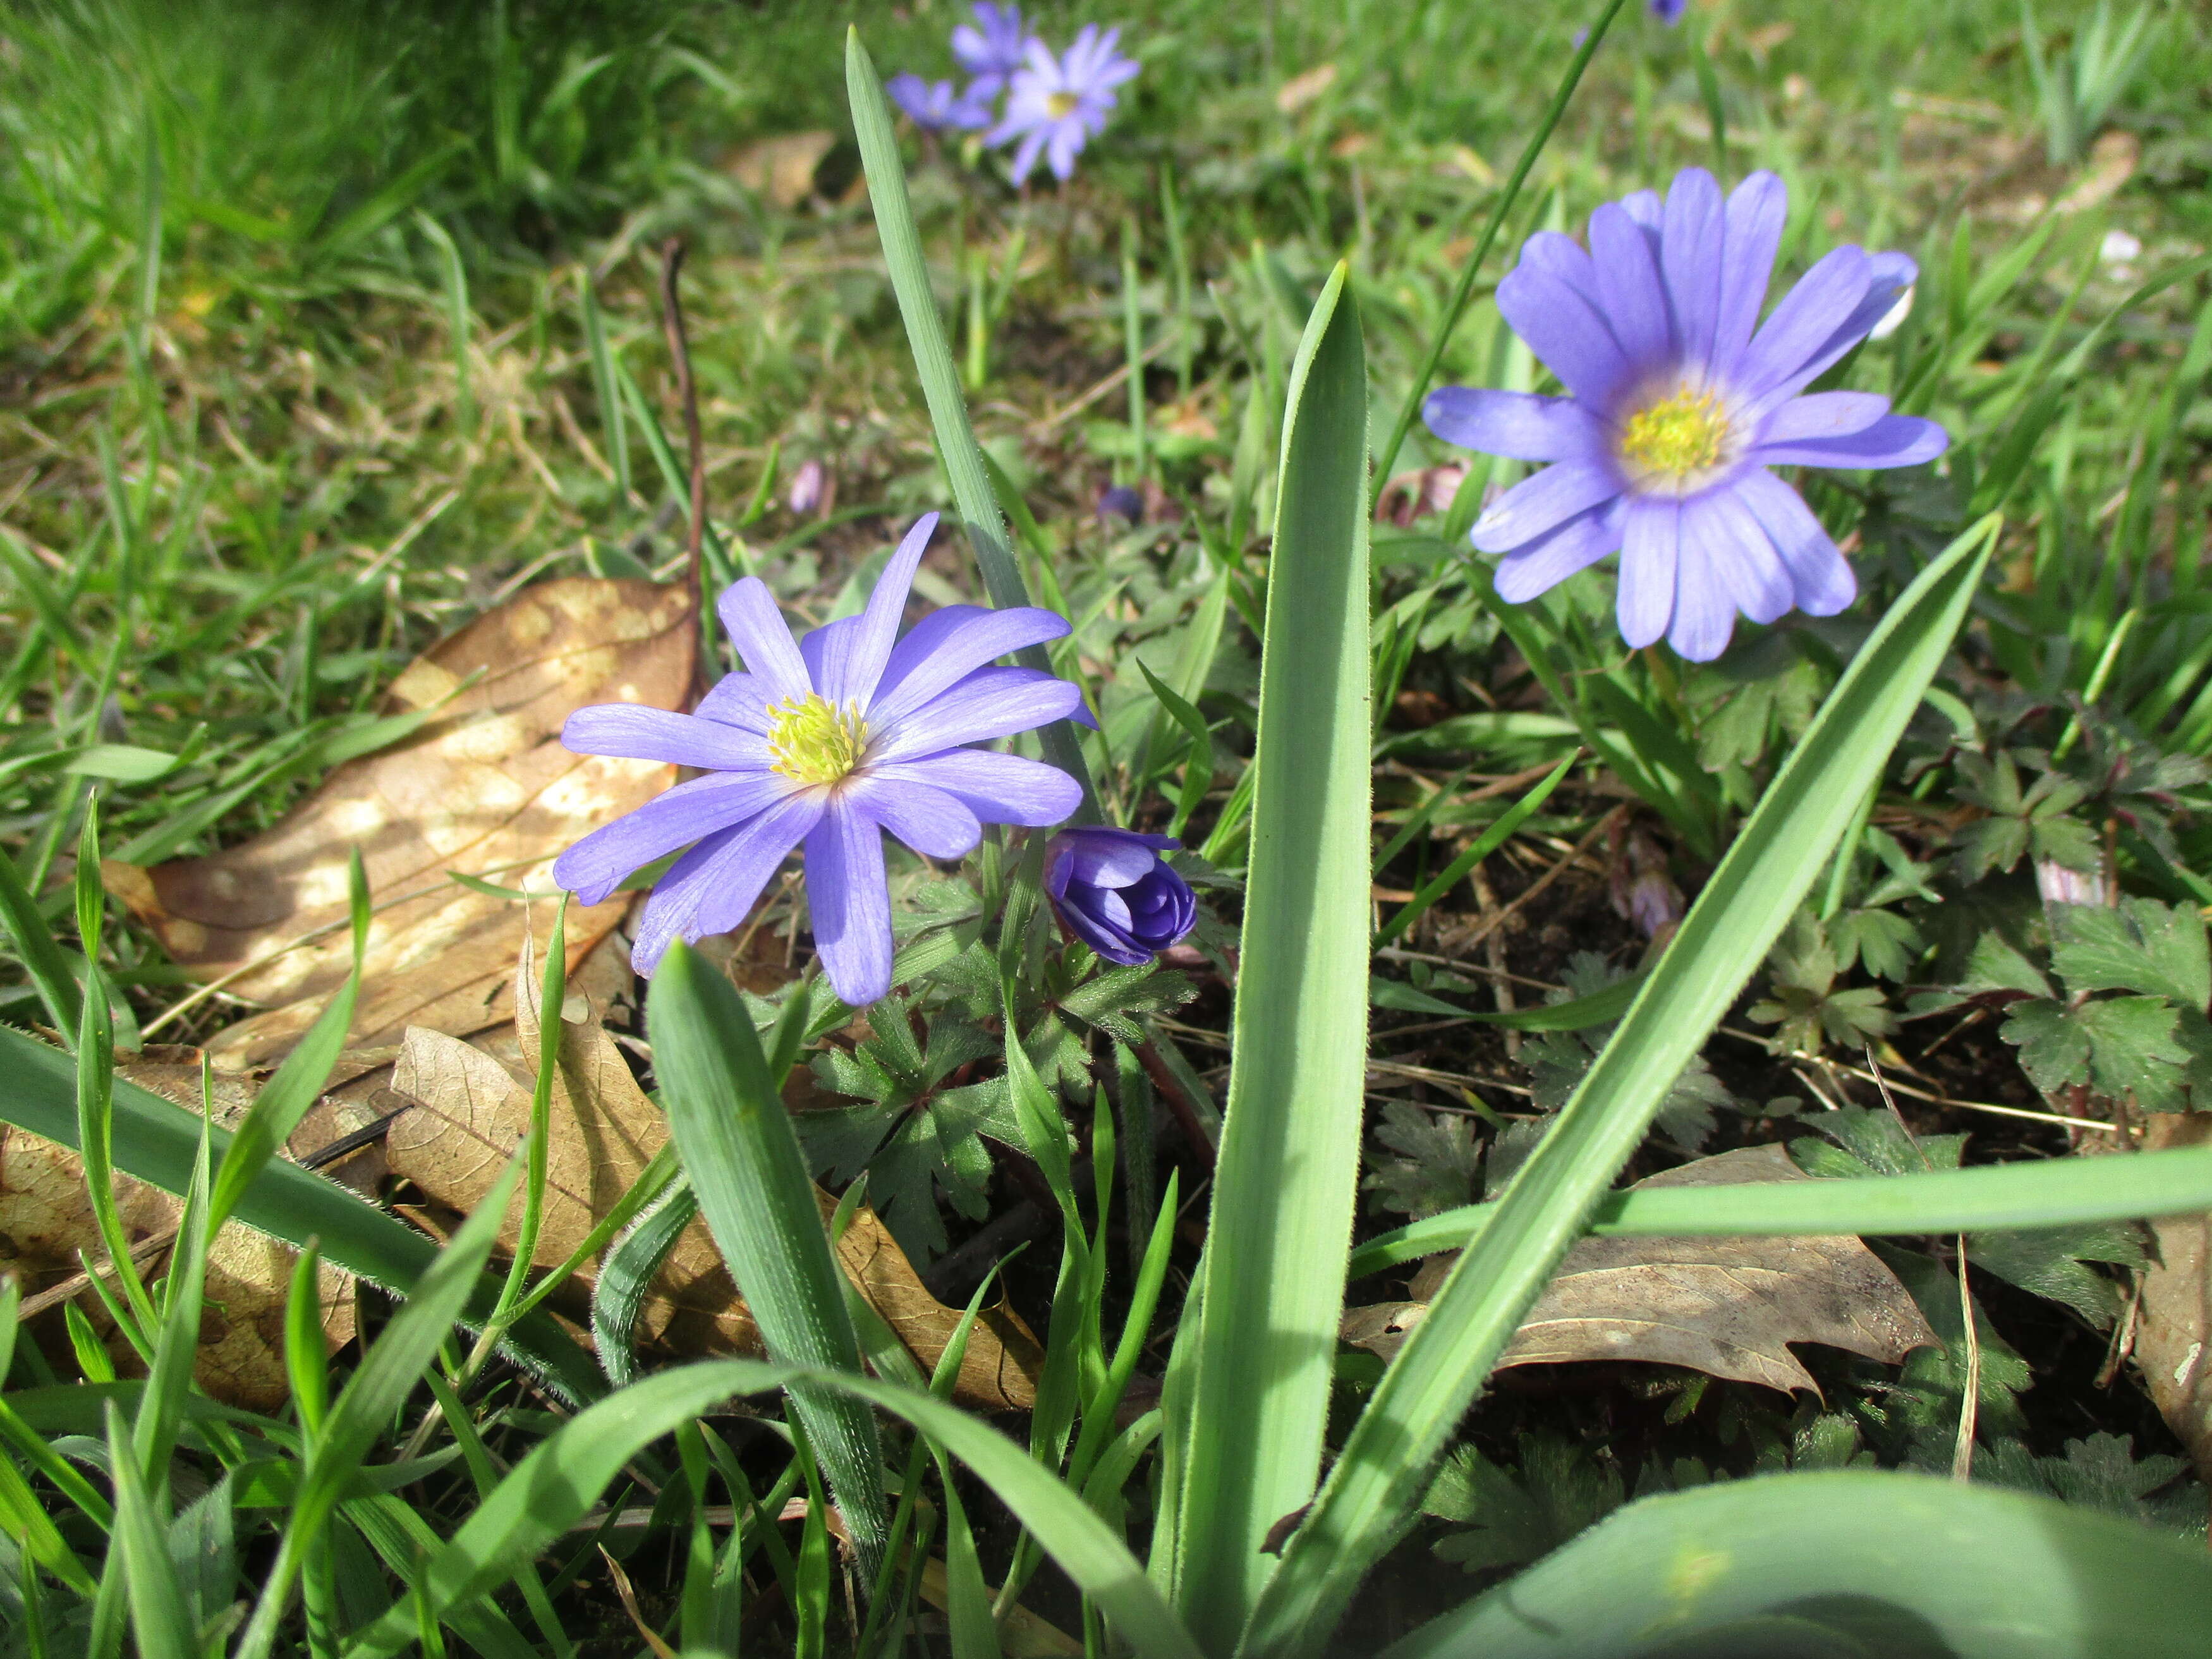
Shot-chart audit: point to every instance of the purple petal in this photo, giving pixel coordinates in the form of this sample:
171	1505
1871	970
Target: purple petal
851	903
1704	609
637	733
931	821
711	888
1738	554
1025	157
1785	354
1818	570
1102	859
1893	440
998	788
1062	148
1823	415
1628	281
1564	327
599	863
1551	559
1541	503
1888	276
1513	423
738	700
1690	260
852	659
1643	206
991	703
757	627
1561	257
947	646
1757	209
1649	545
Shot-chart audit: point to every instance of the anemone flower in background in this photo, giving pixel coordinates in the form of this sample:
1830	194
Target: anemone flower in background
990	48
1679	401
1117	894
828	742
1056	105
1669	12
934	105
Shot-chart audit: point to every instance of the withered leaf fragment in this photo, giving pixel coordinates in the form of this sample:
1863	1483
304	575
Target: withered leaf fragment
1730	1307
485	789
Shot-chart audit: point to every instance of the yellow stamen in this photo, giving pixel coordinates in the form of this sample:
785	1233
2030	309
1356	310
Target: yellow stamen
815	741
1060	105
1687	433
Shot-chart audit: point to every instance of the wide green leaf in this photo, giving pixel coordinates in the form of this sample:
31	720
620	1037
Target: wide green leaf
1887	1566
1758	886
1285	1179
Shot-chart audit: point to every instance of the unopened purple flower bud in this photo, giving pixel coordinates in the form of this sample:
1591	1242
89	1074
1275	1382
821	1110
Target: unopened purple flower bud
807	486
1117	894
1119	501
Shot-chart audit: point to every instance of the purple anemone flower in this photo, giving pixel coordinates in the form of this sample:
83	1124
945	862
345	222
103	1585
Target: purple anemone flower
992	48
1669	12
1679	401
934	105
829	741
1117	894
1057	104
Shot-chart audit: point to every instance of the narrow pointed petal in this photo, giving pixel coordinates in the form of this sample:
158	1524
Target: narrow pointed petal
991	703
757	627
947	646
1704	610
998	788
1751	232
1628	281
1893	440
1785	354
853	661
1542	503
712	888
1740	553
1690	260
1818	570
1545	563
931	821
738	700
851	904
1823	415
1564	328
637	733
601	861
1514	424
1649	542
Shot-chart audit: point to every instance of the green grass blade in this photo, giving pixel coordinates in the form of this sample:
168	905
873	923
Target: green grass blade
42	959
1290	1148
1488	842
1757	888
563	1476
627	1273
1910	1564
158	1619
751	1178
158	1141
940	381
2063	1193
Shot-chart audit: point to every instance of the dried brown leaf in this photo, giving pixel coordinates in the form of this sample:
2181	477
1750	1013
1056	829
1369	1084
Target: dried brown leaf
45	1219
1728	1307
2173	1319
485	788
781	169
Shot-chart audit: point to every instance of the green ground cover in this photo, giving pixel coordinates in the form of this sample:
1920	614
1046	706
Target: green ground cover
325	331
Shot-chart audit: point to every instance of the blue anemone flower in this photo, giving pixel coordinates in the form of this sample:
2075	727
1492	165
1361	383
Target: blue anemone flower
992	48
829	741
1669	12
1117	894
1679	401
934	105
1057	104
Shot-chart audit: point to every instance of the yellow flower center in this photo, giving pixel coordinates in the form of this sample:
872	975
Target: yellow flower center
1685	434
814	741
1060	105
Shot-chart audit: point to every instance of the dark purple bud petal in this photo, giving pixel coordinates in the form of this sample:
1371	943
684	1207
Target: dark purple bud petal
1117	894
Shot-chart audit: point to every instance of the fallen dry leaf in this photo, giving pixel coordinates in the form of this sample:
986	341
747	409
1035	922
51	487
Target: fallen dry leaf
486	789
781	169
472	1110
45	1219
1728	1307
2173	1317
